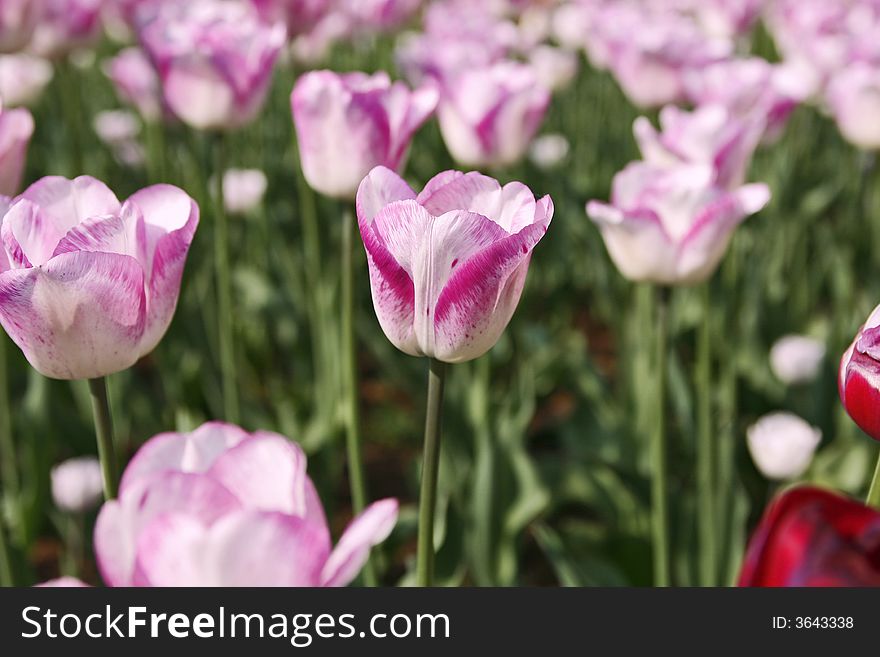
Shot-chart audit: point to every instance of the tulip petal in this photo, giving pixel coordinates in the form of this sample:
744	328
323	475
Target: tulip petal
380	187
81	315
123	234
351	552
193	452
470	191
170	218
121	521
66	203
28	236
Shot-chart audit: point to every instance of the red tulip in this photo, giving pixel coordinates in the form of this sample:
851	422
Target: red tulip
859	380
813	537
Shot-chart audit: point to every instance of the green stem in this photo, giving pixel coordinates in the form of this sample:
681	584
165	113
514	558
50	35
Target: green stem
72	110
350	383
7	446
706	480
659	493
873	498
430	469
5	561
224	288
104	435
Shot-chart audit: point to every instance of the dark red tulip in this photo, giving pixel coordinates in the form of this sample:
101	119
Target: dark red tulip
859	380
813	537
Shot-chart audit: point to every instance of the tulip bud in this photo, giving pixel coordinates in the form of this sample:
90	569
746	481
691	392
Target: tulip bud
16	129
796	358
854	97
18	18
243	190
77	484
447	266
66	25
782	445
859	377
136	82
23	78
347	124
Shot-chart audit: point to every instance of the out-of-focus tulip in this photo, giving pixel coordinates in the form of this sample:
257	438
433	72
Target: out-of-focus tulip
346	124
214	59
65	26
23	78
90	285
488	116
725	18
221	507
17	21
813	537
116	126
555	67
64	583
708	135
447	266
76	484
136	82
314	46
672	225
379	15
300	16
243	189
782	445
859	377
854	97
796	358
548	151
16	129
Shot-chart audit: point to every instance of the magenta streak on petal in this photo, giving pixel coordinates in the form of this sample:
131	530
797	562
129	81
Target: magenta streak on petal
721	213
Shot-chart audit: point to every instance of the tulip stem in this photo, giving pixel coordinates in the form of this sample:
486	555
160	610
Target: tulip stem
224	288
705	445
350	383
430	469
104	435
873	498
5	560
659	493
7	446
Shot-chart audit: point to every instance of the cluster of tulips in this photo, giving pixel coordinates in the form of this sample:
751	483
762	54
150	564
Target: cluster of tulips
89	284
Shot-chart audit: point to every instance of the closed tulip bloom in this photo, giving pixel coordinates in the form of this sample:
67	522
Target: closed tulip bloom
708	135
671	225
76	484
782	445
380	15
488	116
300	16
859	377
23	78
222	507
16	129
90	285
136	82
243	189
854	98
214	59
346	124
796	358
65	26
813	537
447	266
17	21
556	67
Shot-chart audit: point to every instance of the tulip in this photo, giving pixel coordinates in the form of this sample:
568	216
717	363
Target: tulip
671	225
854	97
300	16
859	377
813	537
488	116
18	18
65	26
556	67
347	124
23	78
76	484
90	285
222	507
380	15
447	266
782	445
796	358
64	583
725	18
136	82
243	189
16	128
708	135
549	151
314	46
214	59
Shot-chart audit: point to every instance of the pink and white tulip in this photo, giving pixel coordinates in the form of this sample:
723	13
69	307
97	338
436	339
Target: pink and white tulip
77	484
243	190
18	18
222	507
782	445
854	98
859	377
23	78
214	59
89	285
136	82
797	358
448	265
346	124
16	130
708	135
65	26
672	225
488	116
300	16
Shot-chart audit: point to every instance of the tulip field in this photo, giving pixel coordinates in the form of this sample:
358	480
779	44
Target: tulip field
439	293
